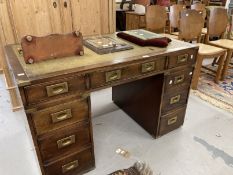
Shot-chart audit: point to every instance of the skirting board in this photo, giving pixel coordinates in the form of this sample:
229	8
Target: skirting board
16	102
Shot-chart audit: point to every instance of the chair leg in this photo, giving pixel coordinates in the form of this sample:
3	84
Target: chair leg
197	72
220	67
215	61
226	64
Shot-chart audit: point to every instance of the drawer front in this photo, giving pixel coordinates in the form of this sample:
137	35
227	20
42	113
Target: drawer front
65	141
111	76
72	165
55	89
175	99
178	79
182	58
53	118
172	121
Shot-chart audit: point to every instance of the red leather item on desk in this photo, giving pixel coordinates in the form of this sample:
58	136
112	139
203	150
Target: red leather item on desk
157	42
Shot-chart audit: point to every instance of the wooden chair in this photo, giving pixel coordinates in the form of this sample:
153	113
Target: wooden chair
174	17
142	2
190	25
216	27
156	18
201	9
206	2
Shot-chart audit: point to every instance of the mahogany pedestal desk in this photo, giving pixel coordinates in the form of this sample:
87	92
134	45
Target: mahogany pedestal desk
150	84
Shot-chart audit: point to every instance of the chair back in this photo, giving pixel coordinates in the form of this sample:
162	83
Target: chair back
190	25
217	22
174	14
200	8
206	2
156	18
142	2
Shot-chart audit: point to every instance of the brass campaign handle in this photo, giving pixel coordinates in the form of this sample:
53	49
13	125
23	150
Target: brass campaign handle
172	120
57	89
61	115
66	141
70	166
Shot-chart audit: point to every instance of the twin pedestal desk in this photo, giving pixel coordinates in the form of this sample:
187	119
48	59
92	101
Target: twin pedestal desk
150	84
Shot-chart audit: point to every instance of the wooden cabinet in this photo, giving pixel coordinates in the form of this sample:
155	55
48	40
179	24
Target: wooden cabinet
22	17
135	21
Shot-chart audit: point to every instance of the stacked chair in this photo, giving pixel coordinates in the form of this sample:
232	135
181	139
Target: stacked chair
216	28
156	18
190	24
174	17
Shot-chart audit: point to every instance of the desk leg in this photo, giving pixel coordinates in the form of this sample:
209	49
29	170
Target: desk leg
141	100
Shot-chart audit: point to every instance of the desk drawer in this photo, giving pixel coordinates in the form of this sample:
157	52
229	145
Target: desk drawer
54	89
59	116
65	141
72	165
172	121
182	58
111	76
178	79
175	99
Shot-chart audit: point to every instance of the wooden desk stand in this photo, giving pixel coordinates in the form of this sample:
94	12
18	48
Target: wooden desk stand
150	84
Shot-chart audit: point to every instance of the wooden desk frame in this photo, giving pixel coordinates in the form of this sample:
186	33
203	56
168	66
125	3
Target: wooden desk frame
153	89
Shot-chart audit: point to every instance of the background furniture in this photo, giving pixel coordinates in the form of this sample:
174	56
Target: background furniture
57	101
135	21
217	24
156	18
174	16
190	25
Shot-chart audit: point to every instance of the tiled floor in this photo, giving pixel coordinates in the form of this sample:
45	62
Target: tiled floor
203	146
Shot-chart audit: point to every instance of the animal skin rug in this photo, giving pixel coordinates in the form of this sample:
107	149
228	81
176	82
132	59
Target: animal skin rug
139	168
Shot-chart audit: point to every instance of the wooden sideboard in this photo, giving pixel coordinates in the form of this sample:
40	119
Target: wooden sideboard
150	84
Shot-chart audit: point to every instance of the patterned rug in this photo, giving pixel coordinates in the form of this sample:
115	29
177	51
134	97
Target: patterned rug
220	95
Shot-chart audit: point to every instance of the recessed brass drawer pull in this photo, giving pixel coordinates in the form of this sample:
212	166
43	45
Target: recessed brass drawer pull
182	58
113	75
66	142
175	99
70	166
61	116
147	67
57	89
172	120
179	79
